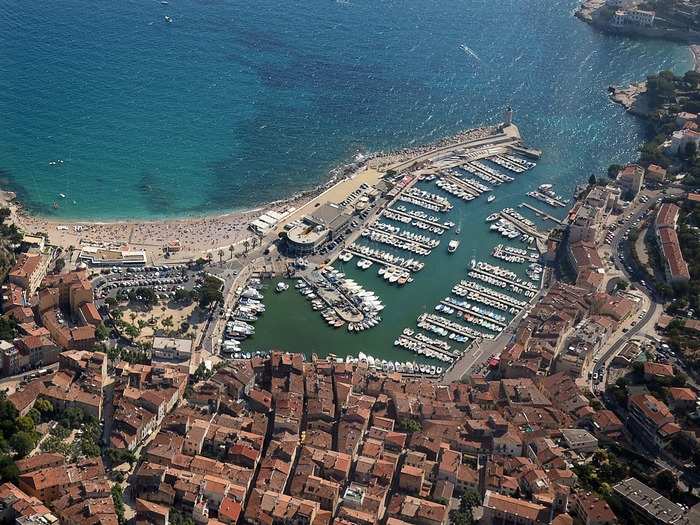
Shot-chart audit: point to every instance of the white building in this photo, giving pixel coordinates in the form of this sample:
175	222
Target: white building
680	140
633	17
96	256
172	349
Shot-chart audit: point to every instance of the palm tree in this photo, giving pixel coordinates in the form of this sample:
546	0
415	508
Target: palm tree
231	249
71	249
246	245
221	255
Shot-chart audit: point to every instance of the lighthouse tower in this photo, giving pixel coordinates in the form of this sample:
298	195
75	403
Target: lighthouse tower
508	117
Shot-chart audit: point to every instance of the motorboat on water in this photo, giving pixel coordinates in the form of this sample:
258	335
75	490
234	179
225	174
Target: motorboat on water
491	198
452	246
168	19
281	287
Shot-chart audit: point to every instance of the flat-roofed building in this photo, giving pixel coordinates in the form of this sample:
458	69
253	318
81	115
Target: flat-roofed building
633	17
504	509
648	504
96	256
323	225
579	440
172	349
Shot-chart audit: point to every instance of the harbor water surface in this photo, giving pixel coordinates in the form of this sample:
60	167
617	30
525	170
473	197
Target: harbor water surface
289	323
236	103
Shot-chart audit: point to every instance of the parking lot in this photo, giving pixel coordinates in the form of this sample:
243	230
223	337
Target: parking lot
163	280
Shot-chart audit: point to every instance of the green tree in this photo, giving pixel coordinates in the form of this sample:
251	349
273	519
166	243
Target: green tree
117	456
665	481
410	425
25	424
8	328
613	170
44	407
35	415
8	469
177	518
183	296
464	515
101	332
118	499
210	292
132	331
59	265
23	443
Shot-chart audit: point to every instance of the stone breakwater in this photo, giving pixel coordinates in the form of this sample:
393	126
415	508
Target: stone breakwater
630	97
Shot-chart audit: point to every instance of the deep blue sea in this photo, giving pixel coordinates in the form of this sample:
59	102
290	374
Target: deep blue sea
235	103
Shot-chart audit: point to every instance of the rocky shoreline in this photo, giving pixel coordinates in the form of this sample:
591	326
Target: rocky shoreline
631	97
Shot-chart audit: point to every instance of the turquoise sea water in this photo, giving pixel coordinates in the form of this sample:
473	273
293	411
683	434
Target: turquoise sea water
235	103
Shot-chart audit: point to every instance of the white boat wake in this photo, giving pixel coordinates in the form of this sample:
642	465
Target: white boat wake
467	50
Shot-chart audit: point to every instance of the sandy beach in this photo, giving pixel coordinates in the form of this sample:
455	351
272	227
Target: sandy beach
209	234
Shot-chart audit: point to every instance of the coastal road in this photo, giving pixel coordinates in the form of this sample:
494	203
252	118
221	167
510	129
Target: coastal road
633	275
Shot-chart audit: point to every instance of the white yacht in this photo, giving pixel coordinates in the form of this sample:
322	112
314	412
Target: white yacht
452	246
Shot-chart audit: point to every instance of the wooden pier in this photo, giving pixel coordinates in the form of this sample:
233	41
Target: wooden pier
521	226
398	237
357	253
501	178
526	286
442	351
490	294
459	331
540	213
426	203
465	185
426	221
472	312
